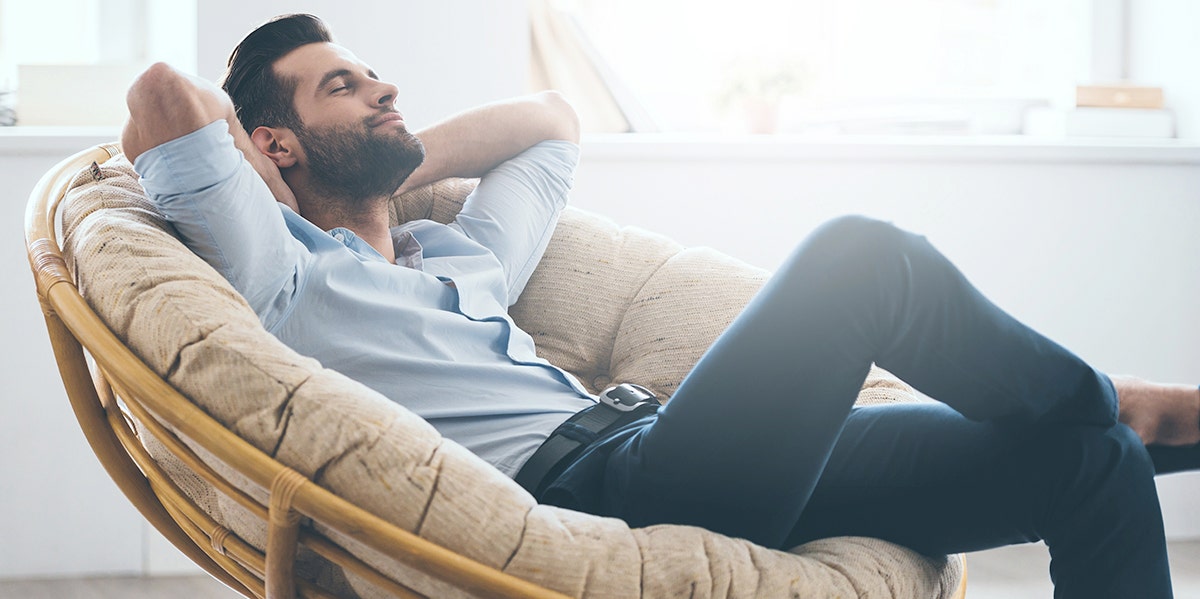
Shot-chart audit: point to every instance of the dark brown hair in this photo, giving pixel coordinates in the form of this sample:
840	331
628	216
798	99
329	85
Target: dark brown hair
260	96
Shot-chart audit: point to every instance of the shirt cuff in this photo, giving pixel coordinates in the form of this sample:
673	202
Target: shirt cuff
194	161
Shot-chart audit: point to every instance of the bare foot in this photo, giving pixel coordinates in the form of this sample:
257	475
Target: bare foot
1160	414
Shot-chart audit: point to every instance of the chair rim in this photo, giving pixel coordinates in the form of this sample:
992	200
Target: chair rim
74	329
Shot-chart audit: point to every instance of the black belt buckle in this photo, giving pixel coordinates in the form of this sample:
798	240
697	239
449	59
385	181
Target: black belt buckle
627	397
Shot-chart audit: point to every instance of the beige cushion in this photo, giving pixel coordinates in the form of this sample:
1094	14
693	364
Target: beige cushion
657	315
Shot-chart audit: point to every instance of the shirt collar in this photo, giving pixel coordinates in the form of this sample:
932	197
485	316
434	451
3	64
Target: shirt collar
356	244
408	249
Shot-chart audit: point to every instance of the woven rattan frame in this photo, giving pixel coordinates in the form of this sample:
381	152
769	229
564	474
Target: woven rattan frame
76	332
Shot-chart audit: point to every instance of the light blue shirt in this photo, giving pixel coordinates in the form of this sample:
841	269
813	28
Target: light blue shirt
449	353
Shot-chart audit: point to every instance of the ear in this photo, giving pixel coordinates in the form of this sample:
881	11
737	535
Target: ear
278	144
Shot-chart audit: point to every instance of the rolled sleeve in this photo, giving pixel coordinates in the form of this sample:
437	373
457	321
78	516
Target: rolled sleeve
185	164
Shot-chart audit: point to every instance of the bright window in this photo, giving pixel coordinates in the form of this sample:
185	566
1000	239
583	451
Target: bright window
872	66
86	51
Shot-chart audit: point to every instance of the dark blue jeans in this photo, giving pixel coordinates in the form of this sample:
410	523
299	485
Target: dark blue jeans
761	440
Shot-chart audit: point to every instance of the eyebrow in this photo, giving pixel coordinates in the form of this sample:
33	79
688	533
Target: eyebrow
334	74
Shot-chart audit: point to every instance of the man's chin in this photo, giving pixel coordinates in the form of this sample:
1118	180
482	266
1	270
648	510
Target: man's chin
418	153
415	160
363	164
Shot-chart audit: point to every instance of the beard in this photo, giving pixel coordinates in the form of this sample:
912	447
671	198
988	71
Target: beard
357	163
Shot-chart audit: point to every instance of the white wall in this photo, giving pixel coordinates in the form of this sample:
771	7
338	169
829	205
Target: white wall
60	514
1101	252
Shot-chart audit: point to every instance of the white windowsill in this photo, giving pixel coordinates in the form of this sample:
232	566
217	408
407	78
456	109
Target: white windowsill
62	141
57	141
1013	148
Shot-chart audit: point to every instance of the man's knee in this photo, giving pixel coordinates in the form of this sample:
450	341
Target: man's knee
855	235
849	244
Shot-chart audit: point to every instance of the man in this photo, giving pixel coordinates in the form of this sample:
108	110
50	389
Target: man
760	440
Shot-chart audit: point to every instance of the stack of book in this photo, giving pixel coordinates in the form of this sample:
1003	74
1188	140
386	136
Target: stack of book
1106	111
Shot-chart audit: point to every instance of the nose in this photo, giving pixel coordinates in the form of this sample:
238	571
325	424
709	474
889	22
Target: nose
386	94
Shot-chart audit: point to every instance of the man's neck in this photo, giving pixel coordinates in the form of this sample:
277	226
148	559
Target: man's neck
368	219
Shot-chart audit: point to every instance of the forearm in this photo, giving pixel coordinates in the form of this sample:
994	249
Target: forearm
474	142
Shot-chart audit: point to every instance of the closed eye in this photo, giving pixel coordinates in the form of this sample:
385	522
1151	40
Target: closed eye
334	81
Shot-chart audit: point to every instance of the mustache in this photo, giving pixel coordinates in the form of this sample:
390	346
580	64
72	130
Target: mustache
376	119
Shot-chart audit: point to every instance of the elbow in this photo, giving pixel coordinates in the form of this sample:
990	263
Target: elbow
153	88
155	76
158	86
164	104
565	119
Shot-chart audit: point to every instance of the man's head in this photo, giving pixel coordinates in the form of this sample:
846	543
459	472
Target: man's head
261	96
319	112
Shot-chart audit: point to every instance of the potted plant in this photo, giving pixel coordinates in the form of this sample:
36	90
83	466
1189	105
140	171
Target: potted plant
754	87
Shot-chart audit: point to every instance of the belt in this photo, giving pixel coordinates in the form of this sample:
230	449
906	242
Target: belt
618	405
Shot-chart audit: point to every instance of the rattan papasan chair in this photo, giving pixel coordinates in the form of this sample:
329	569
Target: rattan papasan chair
281	478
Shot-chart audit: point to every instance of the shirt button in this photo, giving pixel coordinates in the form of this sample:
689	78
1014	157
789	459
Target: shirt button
340	237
